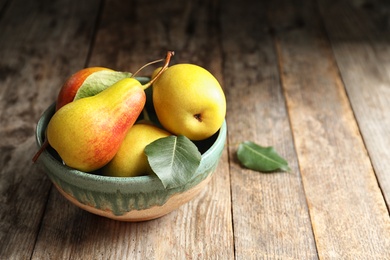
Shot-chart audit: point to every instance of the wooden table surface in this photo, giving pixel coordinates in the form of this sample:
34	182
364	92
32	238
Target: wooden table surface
311	78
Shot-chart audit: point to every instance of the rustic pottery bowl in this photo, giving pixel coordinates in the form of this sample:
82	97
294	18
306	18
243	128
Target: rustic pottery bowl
126	198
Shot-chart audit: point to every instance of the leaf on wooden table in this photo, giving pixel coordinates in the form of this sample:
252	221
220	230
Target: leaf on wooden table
174	159
263	159
99	81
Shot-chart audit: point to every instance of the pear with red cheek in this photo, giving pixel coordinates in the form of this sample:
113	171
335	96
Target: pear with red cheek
88	82
88	132
72	85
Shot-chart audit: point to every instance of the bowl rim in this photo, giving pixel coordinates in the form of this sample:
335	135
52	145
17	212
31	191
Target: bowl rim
45	118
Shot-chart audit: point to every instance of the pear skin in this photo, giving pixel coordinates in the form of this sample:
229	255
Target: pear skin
88	132
72	85
189	101
131	160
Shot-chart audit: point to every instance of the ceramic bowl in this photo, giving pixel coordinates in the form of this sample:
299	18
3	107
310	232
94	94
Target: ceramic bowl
126	198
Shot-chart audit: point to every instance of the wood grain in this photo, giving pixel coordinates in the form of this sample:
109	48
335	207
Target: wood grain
348	213
270	215
310	78
360	41
40	43
3	6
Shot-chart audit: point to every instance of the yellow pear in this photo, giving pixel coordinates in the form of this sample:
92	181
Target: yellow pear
189	101
88	132
130	160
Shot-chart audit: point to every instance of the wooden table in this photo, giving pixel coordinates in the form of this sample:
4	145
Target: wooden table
311	78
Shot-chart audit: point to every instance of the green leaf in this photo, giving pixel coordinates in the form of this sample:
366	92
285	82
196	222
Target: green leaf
174	159
263	159
99	81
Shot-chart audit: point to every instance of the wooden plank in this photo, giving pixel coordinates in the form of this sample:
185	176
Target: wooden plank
348	212
270	214
3	7
40	43
127	38
360	41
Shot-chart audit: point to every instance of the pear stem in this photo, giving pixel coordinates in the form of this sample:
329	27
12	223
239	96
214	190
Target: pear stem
40	151
147	64
166	63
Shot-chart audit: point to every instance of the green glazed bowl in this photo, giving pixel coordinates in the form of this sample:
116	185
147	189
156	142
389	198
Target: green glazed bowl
126	198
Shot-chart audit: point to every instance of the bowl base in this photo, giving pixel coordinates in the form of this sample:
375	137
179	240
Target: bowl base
146	214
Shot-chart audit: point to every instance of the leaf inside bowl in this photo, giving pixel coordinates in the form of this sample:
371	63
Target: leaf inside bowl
99	81
174	159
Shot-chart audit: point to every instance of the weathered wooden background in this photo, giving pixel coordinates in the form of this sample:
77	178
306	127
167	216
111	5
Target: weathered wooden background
311	78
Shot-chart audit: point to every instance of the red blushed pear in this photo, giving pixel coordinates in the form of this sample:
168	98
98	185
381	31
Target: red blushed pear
88	132
73	84
93	79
